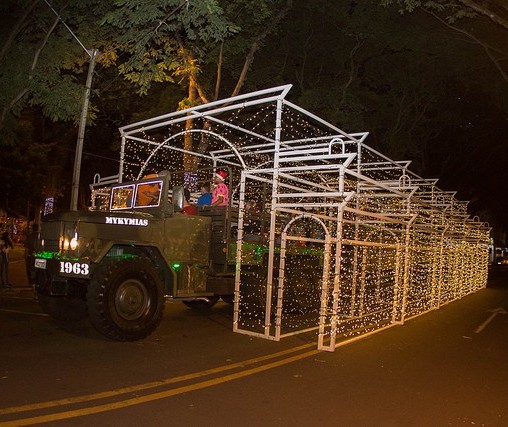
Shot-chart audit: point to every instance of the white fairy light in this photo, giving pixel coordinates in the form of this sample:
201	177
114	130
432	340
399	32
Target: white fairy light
357	241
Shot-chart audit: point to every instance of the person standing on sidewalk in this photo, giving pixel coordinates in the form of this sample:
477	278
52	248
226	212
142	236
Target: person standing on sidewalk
5	247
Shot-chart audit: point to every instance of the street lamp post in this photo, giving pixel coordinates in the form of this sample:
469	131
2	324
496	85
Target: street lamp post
94	53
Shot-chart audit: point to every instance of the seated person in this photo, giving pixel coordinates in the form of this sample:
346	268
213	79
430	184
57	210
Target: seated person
220	195
206	197
188	208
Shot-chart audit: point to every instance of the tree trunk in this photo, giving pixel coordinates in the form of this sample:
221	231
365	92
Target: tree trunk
188	160
496	56
219	72
256	44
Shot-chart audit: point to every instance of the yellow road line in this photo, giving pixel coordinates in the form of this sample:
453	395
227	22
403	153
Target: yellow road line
139	387
154	396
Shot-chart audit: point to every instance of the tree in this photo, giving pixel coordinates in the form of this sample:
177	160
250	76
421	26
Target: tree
182	41
420	83
160	47
464	160
41	61
44	58
451	14
495	10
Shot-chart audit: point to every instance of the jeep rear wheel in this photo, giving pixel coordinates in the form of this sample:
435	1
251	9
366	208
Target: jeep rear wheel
126	299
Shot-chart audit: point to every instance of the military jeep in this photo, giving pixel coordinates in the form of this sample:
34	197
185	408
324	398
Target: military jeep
118	266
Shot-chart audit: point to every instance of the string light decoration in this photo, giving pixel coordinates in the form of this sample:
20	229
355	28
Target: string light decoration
329	234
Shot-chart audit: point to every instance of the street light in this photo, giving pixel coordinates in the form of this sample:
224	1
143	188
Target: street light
94	53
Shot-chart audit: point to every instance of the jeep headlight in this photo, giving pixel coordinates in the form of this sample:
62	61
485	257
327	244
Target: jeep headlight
69	242
73	244
65	244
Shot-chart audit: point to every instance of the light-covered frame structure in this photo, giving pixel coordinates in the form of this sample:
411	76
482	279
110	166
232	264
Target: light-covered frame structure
384	244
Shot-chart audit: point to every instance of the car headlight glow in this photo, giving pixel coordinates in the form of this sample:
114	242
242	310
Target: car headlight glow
69	243
65	244
73	243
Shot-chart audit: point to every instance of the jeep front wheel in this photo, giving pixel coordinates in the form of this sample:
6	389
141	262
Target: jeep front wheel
126	299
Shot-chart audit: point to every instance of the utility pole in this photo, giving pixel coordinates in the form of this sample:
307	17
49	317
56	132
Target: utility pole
94	53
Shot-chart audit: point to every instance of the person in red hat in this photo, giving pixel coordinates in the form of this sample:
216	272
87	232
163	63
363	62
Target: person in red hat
220	195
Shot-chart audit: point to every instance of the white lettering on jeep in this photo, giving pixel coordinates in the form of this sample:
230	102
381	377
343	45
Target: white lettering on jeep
126	221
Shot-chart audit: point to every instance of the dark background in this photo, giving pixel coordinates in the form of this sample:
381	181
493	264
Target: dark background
429	88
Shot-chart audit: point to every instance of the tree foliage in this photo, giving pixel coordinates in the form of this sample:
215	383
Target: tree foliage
456	15
421	91
479	104
495	10
43	50
428	85
163	41
148	43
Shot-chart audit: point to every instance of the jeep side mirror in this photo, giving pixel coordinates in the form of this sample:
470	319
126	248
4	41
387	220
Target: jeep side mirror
177	198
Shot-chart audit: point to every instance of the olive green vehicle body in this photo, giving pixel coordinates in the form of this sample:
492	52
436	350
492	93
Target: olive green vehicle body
179	245
117	266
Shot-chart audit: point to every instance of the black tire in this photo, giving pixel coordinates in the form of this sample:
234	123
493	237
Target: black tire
63	308
126	299
201	303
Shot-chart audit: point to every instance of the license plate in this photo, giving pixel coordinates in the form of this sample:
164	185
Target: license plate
40	263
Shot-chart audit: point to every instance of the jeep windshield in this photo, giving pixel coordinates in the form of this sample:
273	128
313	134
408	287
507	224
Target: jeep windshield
136	195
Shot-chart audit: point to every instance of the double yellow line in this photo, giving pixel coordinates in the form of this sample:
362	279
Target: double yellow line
156	395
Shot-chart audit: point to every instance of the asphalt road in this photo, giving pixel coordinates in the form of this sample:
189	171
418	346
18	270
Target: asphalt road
448	367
